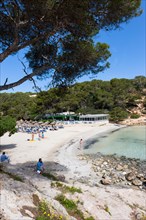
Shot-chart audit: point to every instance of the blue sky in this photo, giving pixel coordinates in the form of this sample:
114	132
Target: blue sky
127	46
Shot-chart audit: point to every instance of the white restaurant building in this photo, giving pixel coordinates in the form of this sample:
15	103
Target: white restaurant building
94	118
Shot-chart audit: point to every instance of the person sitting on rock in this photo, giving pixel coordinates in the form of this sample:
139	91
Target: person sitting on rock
40	166
4	158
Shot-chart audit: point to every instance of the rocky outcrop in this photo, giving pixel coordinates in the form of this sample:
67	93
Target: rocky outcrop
114	170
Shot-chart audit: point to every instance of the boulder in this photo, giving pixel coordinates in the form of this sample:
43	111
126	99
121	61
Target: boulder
137	182
119	167
61	178
125	166
105	163
140	175
130	176
106	181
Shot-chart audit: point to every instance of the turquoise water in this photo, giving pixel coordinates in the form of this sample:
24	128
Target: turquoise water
129	142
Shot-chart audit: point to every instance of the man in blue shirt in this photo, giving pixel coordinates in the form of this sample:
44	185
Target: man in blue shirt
40	166
4	158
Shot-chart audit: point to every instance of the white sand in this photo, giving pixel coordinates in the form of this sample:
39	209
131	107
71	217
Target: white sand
21	150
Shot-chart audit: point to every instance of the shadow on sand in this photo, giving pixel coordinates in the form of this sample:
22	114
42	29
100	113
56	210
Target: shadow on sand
7	146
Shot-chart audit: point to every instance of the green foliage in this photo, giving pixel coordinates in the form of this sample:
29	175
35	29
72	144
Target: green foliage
47	212
106	208
93	97
68	204
72	208
17	105
140	82
73	189
89	218
7	124
134	116
50	176
65	188
57	35
118	114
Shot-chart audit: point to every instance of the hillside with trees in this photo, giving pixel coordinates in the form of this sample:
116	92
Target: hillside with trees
121	98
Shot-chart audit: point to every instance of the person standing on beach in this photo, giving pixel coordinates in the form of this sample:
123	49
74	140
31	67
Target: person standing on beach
32	137
39	136
42	134
81	143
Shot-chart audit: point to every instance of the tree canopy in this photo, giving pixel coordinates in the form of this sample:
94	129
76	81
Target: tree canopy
116	97
7	124
56	35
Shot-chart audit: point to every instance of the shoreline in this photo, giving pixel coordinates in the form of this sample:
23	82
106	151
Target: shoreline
82	164
92	140
21	150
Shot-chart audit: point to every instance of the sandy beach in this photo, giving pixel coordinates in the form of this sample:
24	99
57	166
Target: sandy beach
21	150
61	153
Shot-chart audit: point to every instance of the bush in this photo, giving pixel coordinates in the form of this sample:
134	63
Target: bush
47	212
134	116
65	188
118	114
7	123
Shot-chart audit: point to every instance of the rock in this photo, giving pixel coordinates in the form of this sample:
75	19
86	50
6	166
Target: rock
140	175
142	179
29	213
106	181
119	167
125	166
121	177
137	182
129	184
61	178
97	168
134	163
130	176
103	171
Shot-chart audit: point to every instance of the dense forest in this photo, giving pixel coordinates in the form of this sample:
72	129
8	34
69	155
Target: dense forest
117	97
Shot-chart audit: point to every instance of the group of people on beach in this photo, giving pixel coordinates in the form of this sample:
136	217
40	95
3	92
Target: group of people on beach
40	135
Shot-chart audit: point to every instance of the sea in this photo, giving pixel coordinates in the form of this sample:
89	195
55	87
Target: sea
128	141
